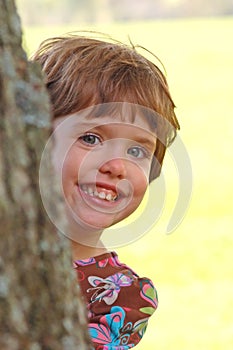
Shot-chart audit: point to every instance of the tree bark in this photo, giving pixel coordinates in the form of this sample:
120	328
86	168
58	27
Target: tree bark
40	304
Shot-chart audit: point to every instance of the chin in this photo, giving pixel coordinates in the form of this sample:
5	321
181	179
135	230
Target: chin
93	222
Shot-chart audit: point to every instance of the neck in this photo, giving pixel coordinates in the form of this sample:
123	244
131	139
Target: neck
80	251
85	242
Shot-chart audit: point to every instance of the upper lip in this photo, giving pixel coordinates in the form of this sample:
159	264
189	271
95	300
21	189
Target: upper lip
106	186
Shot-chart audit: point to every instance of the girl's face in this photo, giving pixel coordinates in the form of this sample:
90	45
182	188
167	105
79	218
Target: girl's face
104	164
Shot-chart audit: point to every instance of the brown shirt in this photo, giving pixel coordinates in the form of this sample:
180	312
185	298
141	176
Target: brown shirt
119	302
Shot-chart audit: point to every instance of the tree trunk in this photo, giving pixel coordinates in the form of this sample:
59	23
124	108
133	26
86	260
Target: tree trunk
40	305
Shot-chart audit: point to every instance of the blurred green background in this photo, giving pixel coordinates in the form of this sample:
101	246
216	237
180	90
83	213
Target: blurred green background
192	267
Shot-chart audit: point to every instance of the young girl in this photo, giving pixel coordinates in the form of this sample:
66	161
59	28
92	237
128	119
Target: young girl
113	119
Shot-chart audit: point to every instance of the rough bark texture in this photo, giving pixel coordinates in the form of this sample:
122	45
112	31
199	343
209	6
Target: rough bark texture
40	305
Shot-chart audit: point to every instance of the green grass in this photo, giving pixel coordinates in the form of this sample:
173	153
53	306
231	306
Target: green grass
192	268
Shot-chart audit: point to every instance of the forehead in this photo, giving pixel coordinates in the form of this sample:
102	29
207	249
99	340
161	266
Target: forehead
117	113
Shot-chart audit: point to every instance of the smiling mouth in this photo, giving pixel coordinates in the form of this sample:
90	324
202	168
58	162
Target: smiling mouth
101	193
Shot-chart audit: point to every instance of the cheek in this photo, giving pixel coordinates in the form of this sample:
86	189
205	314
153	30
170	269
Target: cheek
139	184
71	166
139	190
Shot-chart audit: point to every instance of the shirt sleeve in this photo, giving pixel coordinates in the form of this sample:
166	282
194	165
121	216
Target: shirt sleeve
119	305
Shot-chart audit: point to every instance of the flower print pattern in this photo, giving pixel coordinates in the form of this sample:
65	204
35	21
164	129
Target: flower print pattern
112	260
107	332
119	302
149	294
84	262
108	288
140	326
102	263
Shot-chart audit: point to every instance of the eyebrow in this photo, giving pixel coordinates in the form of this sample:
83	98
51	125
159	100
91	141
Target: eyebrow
149	142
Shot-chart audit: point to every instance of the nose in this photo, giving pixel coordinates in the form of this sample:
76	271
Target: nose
115	167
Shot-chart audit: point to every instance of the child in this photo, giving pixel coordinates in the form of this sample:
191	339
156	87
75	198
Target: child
113	118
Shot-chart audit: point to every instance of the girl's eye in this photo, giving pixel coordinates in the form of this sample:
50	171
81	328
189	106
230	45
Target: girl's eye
90	139
138	152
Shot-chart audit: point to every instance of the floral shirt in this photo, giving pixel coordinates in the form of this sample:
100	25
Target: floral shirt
119	302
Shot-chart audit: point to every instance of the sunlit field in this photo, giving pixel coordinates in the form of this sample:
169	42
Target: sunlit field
193	266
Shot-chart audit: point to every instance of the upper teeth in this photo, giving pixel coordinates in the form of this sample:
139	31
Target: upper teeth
102	195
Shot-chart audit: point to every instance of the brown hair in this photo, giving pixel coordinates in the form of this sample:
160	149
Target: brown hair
82	71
